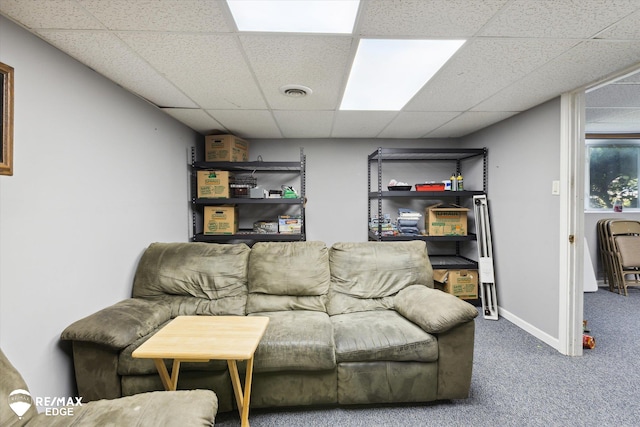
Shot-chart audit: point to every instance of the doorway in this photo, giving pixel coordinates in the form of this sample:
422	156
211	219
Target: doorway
608	107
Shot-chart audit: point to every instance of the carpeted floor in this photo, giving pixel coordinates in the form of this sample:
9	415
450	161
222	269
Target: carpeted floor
518	381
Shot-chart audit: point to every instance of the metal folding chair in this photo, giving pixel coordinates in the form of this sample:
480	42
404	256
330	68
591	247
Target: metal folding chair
625	253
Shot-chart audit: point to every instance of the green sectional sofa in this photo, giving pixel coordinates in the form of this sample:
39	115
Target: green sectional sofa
357	323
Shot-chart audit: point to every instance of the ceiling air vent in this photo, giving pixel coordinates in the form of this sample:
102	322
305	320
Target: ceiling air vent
295	91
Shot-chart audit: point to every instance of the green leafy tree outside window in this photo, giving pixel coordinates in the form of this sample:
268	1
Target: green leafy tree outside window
613	173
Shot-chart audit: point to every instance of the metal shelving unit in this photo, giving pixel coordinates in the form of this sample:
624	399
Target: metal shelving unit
454	156
294	167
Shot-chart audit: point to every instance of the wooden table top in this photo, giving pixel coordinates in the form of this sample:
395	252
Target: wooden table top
205	338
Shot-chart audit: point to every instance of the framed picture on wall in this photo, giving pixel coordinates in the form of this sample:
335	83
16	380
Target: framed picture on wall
6	124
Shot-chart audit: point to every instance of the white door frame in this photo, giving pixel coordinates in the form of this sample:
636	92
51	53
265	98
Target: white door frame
572	181
571	241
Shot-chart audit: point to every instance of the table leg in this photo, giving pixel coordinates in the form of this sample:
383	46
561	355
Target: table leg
170	382
242	397
235	382
247	393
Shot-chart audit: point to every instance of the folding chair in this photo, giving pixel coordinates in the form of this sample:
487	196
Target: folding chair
604	250
625	253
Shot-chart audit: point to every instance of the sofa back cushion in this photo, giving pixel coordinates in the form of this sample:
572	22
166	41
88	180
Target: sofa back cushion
288	276
366	275
195	278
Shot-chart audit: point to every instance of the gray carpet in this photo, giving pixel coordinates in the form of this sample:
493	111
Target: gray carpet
517	381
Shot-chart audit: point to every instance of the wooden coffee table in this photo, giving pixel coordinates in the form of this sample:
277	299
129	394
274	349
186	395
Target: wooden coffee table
203	338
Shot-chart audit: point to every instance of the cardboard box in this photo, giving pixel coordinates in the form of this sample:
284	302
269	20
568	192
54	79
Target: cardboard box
290	224
225	148
220	220
446	220
266	227
213	184
460	283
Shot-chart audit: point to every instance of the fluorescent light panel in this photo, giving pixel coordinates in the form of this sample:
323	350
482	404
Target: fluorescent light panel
295	16
386	74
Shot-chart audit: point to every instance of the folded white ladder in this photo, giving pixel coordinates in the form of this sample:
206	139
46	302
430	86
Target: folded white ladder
485	258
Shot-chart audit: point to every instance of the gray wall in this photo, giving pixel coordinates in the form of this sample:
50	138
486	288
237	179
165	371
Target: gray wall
523	162
98	175
337	180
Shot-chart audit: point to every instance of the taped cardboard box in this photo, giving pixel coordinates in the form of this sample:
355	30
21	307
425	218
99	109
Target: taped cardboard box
460	283
225	148
446	220
220	219
213	184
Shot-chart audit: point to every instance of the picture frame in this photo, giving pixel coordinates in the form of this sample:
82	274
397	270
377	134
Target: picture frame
6	124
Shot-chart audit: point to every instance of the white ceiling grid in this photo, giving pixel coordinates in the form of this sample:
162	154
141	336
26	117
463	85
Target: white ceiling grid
187	57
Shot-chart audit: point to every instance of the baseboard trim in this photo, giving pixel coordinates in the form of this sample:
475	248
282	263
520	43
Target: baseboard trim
529	328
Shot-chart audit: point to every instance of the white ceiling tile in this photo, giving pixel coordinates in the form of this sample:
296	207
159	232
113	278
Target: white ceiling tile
434	18
593	115
469	122
614	127
318	62
209	68
248	124
160	15
481	68
304	124
196	119
594	59
613	115
52	14
633	78
361	124
416	124
109	56
520	96
579	67
625	95
626	29
558	19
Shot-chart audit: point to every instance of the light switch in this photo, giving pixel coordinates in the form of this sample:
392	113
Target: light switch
555	188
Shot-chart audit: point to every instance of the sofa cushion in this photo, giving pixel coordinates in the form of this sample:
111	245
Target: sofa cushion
194	306
433	310
288	276
14	391
373	271
160	408
340	303
205	271
257	303
381	335
296	341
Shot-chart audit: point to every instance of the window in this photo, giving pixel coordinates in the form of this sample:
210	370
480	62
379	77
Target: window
612	173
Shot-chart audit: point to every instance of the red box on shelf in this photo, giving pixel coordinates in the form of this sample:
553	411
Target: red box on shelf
433	186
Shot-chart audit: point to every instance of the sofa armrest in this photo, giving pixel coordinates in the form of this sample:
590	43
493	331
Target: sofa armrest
433	310
119	325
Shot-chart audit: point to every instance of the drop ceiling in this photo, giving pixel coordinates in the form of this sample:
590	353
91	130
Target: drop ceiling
614	108
188	58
